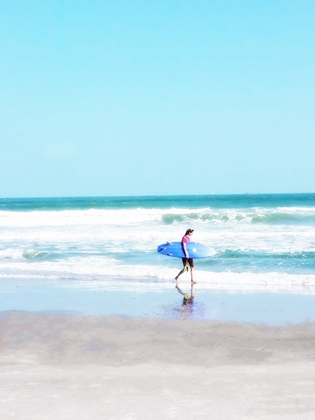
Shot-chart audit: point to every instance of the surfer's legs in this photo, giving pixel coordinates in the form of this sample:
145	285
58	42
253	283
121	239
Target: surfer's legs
192	271
179	274
185	268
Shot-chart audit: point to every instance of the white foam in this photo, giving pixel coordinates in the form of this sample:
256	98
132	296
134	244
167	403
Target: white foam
100	238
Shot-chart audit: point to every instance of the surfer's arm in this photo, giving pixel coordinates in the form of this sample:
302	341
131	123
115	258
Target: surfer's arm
185	250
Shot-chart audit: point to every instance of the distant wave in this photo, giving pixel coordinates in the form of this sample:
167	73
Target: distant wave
170	218
32	254
261	216
284	218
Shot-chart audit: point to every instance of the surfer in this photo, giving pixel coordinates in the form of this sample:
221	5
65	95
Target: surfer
186	261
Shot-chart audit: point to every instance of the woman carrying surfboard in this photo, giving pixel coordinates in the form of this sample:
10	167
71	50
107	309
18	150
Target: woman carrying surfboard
187	261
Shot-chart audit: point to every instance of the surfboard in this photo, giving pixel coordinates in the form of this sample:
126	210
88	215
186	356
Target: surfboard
195	250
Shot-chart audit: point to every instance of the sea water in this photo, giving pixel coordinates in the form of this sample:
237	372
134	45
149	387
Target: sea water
263	243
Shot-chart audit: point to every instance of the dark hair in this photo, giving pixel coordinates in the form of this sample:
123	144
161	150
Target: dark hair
189	231
185	301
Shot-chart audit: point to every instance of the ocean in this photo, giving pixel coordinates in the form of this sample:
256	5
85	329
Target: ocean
263	243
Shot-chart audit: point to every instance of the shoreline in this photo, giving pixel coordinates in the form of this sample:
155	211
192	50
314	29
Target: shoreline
254	307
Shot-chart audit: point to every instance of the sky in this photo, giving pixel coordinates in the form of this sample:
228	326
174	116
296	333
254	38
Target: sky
153	97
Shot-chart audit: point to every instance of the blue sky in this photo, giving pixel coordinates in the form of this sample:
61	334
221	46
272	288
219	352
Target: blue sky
156	97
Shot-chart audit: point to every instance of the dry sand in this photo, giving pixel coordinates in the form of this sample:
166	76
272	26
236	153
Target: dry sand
80	367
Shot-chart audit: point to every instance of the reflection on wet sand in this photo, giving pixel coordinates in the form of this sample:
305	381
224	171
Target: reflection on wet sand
187	300
187	308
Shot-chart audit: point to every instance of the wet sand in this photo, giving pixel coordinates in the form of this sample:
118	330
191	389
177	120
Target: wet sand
56	366
95	299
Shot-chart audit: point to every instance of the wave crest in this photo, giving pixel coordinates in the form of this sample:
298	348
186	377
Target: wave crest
255	216
32	254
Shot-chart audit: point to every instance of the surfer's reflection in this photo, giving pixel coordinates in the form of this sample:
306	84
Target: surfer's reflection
187	300
189	307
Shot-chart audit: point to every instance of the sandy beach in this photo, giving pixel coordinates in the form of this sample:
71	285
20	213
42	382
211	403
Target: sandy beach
141	140
106	367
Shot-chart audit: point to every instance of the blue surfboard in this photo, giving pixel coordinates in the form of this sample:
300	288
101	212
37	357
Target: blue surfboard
195	250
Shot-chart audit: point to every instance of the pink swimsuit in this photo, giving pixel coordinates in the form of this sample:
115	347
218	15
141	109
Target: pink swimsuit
185	239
